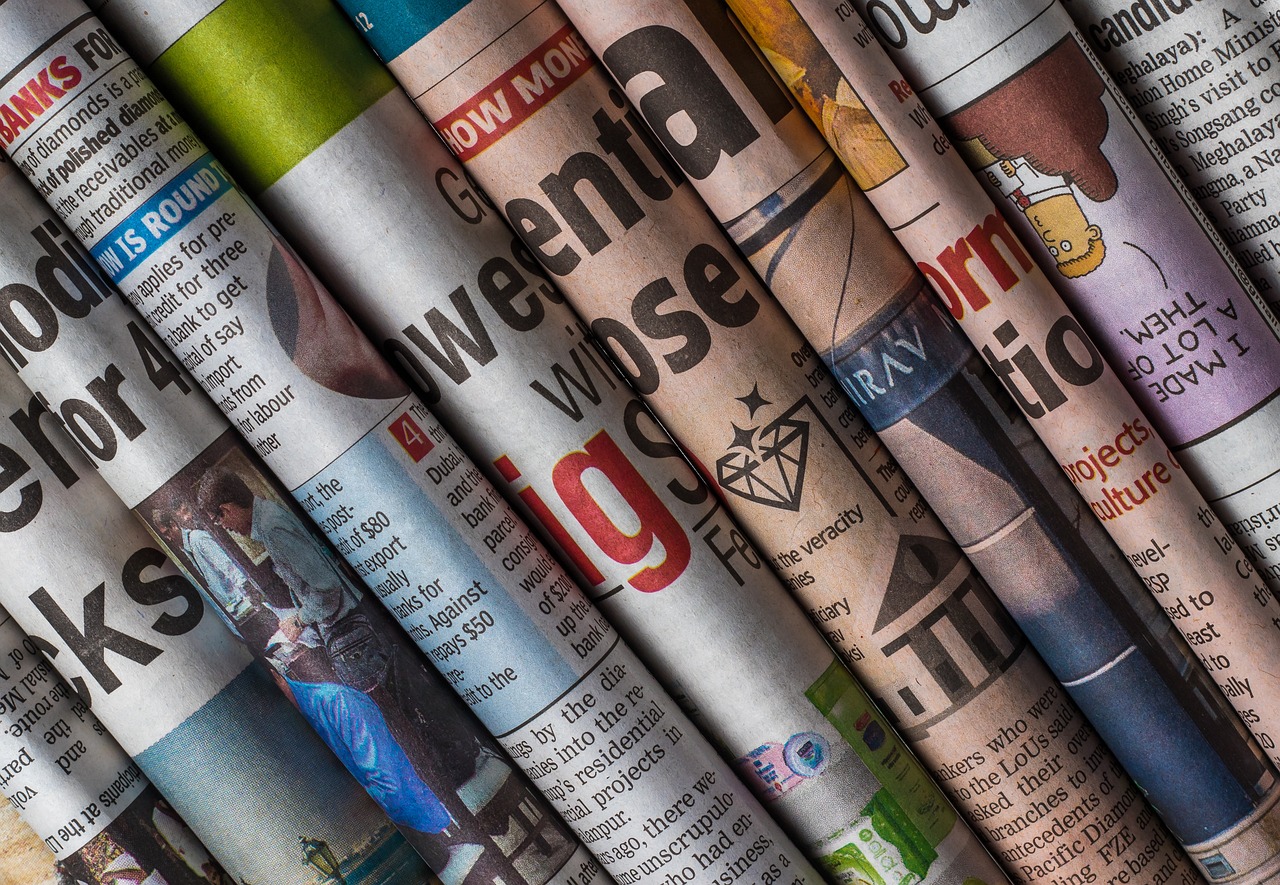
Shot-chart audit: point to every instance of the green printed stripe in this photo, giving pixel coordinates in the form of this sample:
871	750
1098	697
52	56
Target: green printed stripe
266	82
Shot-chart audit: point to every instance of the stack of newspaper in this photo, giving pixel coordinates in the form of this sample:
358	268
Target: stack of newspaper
683	441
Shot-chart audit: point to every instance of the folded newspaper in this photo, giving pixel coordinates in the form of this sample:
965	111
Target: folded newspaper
73	784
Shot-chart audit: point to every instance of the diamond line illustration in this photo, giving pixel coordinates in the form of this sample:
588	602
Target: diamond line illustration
766	464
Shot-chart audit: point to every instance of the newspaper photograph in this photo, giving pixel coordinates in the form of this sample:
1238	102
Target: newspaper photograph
74	785
851	89
24	858
372	474
137	643
201	720
392	723
1207	95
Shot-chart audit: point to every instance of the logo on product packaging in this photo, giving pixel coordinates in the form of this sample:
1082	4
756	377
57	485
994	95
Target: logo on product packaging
781	767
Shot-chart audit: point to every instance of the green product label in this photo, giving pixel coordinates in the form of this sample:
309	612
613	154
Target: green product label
913	813
893	825
848	864
266	82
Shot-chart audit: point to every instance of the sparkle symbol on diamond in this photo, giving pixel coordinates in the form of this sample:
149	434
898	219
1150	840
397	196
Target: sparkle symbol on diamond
744	437
753	400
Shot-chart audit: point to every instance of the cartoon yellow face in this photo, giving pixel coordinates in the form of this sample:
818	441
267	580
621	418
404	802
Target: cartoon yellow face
1073	242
